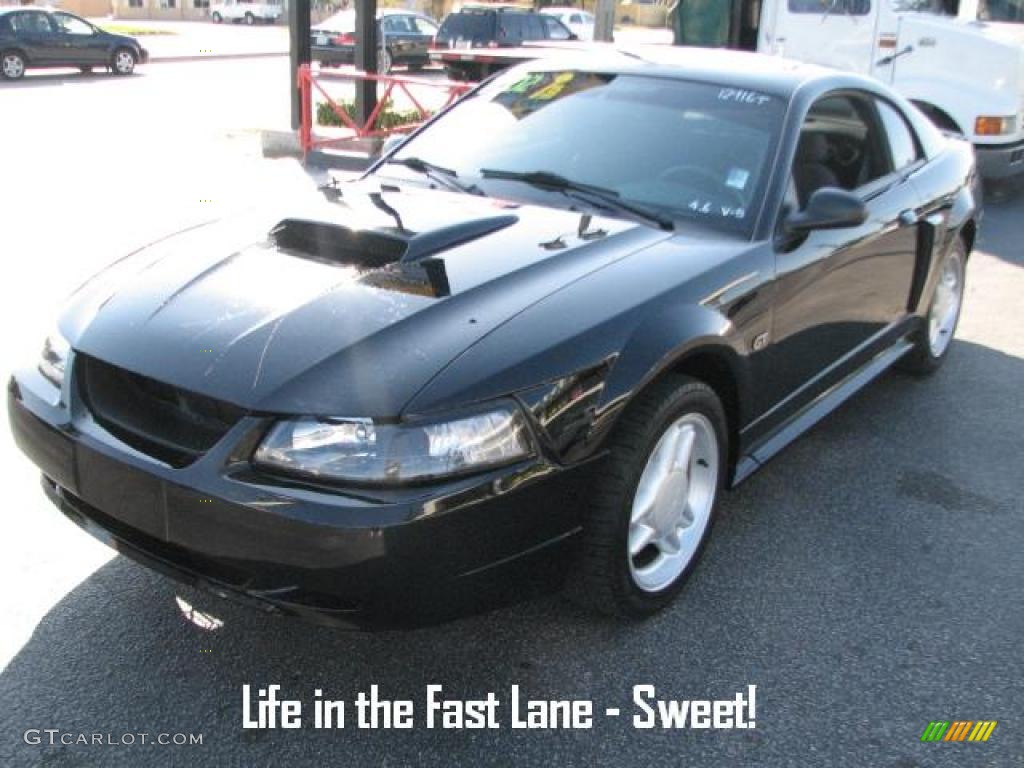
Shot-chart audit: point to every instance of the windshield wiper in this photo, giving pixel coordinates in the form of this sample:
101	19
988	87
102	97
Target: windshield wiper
601	197
437	173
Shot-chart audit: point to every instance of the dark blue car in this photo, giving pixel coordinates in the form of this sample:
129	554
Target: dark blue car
34	37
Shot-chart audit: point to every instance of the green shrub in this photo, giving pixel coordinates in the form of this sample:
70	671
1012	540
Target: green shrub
388	118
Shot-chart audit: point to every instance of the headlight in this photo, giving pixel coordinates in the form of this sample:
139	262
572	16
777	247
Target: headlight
54	358
363	451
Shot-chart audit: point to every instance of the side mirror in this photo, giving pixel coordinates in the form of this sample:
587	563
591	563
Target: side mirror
828	208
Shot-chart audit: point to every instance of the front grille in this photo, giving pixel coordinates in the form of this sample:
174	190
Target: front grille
170	424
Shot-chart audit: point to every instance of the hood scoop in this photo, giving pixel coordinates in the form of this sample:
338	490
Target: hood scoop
376	248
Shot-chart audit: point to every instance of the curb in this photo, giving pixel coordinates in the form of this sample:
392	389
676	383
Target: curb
278	143
213	57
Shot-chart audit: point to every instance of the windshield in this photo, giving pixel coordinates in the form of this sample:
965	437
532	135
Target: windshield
1001	10
687	150
343	21
940	7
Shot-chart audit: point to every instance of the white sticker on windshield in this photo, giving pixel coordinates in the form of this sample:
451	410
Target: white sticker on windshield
738	178
743	96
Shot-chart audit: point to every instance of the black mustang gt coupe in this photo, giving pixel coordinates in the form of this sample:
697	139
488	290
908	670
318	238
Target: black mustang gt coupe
537	339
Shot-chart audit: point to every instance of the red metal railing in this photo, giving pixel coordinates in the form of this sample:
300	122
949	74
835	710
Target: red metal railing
310	81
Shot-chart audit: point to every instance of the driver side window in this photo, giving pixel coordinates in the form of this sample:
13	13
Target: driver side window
841	145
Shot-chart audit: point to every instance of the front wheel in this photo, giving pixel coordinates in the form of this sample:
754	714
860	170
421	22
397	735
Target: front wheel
249	19
12	65
124	61
217	18
932	341
384	61
652	511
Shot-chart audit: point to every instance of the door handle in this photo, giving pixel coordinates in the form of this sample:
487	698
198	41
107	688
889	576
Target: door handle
909	218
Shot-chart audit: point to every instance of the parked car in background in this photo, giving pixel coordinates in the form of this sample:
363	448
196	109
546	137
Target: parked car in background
486	27
579	22
403	38
36	37
248	11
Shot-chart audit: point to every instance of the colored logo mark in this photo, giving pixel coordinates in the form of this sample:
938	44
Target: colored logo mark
959	730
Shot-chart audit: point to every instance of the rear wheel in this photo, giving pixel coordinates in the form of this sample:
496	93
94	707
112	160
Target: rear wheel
12	65
249	18
123	62
216	18
652	511
933	339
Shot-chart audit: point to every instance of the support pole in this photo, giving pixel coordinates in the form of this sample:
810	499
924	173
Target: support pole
299	50
604	20
366	57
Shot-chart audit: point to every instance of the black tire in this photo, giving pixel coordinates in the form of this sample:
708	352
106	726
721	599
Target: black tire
417	65
923	360
385	61
216	18
606	581
12	65
85	70
249	19
123	61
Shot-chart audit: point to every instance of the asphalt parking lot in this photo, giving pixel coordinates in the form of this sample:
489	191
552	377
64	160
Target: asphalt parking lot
868	581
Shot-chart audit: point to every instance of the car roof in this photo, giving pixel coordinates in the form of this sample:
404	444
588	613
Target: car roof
738	69
495	9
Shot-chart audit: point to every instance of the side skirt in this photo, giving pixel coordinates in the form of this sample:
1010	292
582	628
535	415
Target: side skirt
818	409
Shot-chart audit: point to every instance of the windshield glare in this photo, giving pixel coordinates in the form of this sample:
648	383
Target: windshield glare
690	150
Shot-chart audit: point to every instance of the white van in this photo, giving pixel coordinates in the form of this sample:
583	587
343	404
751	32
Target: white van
961	62
249	11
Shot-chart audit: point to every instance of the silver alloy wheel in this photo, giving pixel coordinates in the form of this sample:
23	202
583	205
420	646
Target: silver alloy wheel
673	501
124	62
13	66
945	307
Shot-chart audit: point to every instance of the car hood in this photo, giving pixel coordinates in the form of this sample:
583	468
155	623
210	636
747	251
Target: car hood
335	308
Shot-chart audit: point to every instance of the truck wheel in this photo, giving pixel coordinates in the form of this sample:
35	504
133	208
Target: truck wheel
216	18
651	511
933	339
12	65
249	19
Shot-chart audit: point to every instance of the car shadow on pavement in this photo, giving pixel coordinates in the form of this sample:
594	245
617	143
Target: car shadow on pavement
839	581
49	79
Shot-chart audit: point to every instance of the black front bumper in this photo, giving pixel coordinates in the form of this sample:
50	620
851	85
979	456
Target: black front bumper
401	558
